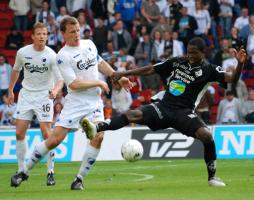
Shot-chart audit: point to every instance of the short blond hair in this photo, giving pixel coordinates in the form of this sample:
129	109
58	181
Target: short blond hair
38	25
67	20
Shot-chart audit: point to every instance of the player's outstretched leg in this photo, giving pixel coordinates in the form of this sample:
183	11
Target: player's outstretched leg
77	184
50	176
88	127
18	178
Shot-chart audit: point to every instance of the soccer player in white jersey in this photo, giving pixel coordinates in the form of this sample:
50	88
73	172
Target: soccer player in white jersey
79	64
36	97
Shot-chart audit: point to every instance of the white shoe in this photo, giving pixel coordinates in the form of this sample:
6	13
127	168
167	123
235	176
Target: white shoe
216	182
88	127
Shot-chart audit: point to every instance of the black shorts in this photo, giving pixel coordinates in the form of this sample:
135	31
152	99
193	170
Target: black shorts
157	116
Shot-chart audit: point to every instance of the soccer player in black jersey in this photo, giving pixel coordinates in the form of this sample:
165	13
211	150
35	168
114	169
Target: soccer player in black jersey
187	80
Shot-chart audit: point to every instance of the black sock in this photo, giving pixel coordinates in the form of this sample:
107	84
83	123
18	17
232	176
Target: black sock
114	123
210	158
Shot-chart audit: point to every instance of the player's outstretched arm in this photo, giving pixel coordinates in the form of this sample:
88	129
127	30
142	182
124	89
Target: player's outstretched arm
234	76
14	78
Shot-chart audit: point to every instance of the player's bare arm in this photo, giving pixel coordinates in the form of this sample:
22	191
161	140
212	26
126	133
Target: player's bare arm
14	78
106	69
59	85
233	77
142	71
87	84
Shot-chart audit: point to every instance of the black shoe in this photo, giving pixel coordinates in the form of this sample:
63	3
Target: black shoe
77	184
50	179
18	178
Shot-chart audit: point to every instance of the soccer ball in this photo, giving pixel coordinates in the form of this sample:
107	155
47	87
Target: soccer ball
132	150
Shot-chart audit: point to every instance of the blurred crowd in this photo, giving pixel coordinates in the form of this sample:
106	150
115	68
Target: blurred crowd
134	33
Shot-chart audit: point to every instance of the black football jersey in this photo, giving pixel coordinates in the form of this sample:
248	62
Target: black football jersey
187	83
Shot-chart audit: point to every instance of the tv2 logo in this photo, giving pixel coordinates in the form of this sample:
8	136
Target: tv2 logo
167	144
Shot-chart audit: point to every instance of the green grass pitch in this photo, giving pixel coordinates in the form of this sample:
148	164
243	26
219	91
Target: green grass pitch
142	180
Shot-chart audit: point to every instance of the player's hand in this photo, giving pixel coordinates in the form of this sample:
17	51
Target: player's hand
10	98
125	83
116	76
104	86
52	94
241	55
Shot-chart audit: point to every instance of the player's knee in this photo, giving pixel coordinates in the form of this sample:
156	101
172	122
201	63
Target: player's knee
204	135
97	140
20	135
134	115
52	142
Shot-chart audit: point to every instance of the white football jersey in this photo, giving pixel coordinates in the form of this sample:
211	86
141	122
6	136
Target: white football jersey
40	69
80	63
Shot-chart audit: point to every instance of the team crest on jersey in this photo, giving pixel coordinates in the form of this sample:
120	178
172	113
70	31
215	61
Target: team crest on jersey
59	61
44	60
199	73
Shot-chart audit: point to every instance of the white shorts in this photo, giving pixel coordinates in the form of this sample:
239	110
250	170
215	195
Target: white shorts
34	103
77	106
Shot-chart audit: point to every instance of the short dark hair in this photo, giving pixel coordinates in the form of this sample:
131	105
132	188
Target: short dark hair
198	42
67	20
229	93
38	25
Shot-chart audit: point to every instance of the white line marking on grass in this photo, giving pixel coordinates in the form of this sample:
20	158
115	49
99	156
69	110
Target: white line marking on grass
146	177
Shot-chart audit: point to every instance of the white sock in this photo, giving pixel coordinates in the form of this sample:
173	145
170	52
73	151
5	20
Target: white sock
21	155
39	152
88	161
50	161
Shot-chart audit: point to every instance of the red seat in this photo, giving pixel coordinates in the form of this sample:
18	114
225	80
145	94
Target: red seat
146	94
213	114
249	82
135	103
27	37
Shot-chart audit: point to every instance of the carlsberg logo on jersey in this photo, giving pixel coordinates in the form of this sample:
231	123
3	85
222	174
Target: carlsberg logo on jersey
168	143
86	64
35	68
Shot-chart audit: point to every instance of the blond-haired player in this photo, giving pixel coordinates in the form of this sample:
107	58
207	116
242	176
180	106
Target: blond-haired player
42	81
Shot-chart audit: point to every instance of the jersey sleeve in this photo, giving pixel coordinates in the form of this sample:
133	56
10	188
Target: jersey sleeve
218	75
64	66
165	68
18	65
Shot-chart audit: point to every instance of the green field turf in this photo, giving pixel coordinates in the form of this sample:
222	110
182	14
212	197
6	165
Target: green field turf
143	180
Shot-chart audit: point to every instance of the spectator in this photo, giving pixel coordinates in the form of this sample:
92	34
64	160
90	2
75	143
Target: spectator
20	9
229	110
145	54
226	14
158	43
203	19
222	53
250	47
128	10
36	6
99	9
100	36
52	33
14	40
57	110
174	12
5	76
172	47
190	5
246	30
121	38
109	112
62	14
150	13
248	107
41	16
242	20
121	99
236	41
75	5
162	26
185	26
109	53
7	118
83	25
